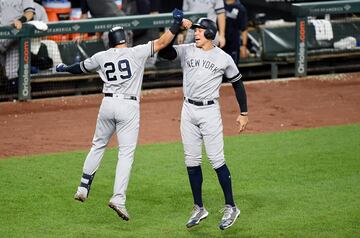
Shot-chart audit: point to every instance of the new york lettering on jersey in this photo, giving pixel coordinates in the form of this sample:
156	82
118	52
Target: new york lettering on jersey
206	64
203	71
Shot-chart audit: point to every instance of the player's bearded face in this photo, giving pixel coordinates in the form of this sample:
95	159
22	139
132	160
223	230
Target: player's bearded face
200	39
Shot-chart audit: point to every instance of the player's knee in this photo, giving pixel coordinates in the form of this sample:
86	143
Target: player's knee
216	158
129	148
126	151
192	161
217	162
99	143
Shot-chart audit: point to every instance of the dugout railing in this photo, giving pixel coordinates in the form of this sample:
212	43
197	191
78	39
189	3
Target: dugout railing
77	27
332	9
296	43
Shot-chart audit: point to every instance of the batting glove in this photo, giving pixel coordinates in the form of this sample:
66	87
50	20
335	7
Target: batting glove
61	67
178	16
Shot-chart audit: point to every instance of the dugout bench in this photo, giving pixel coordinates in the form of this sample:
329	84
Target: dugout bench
278	43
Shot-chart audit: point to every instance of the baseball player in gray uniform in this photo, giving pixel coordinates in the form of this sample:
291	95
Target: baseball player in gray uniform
215	11
15	13
121	70
204	66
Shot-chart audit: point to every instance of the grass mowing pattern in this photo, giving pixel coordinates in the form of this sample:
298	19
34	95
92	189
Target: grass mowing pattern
290	184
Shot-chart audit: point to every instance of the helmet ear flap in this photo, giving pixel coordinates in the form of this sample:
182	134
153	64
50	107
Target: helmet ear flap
209	34
209	26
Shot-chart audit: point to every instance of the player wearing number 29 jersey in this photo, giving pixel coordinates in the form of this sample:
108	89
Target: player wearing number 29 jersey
121	69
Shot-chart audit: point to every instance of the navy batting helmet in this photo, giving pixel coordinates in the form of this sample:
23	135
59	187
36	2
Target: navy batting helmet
207	24
116	36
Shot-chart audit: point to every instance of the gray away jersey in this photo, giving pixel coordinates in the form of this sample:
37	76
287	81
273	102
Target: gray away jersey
121	69
211	7
203	71
14	9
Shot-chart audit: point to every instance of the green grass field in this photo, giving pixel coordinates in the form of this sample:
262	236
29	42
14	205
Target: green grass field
290	184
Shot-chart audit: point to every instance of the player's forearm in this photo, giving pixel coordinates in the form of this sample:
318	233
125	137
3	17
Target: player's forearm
84	6
74	68
221	19
240	95
168	36
26	17
168	52
29	15
163	41
244	37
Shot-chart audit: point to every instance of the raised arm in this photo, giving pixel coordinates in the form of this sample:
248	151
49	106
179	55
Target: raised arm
169	35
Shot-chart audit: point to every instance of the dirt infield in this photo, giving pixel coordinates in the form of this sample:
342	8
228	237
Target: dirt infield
68	123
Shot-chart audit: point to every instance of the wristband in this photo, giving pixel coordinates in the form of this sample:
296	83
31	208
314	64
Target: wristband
22	19
175	28
244	114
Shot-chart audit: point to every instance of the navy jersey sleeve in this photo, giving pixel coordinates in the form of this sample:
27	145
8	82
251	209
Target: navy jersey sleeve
242	18
84	6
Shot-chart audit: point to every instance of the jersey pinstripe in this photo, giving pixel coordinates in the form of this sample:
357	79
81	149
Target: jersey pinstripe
121	69
211	7
14	9
203	71
10	10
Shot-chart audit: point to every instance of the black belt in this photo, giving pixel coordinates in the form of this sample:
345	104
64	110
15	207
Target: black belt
123	96
199	103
